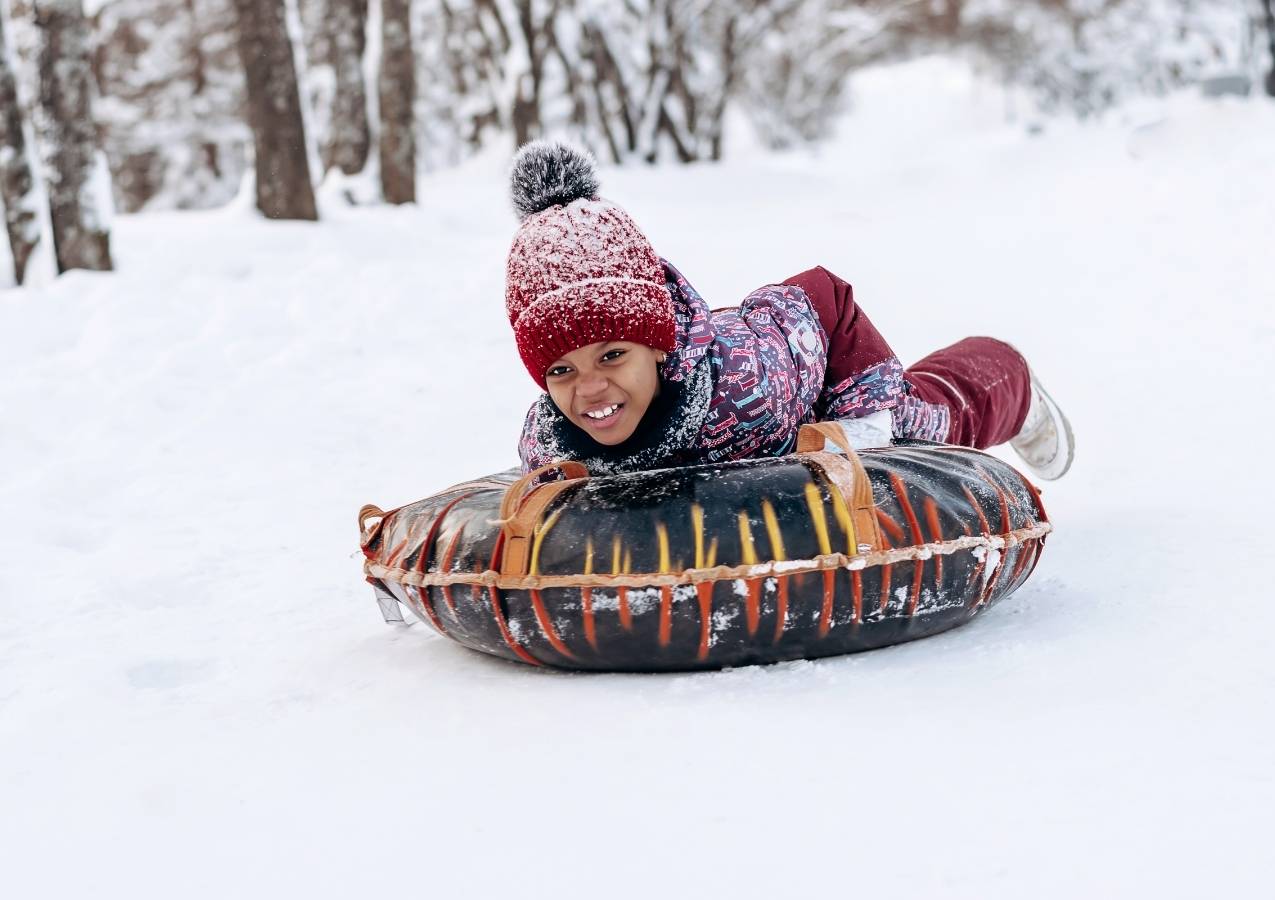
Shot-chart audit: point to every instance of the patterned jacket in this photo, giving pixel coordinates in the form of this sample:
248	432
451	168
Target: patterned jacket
739	385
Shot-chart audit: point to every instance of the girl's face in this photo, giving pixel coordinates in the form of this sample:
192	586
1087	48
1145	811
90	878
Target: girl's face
605	388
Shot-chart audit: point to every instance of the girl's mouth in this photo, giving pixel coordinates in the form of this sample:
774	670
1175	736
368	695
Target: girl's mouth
603	416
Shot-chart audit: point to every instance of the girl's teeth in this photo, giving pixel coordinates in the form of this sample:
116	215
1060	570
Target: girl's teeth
602	413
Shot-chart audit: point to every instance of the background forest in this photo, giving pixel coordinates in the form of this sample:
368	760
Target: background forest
169	102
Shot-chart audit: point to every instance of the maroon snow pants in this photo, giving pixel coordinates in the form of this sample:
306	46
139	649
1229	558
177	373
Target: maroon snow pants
983	382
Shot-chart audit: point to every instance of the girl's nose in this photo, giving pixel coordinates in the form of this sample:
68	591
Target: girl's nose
593	385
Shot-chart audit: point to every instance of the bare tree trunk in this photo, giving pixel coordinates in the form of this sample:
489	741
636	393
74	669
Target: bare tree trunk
526	109
1268	9
274	111
348	140
396	88
17	183
80	236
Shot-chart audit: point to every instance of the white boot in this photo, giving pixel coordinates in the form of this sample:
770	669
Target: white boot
1045	442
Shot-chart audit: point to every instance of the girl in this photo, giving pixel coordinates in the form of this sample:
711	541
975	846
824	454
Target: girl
640	374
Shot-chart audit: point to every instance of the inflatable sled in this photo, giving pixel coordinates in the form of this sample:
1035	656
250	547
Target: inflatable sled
808	555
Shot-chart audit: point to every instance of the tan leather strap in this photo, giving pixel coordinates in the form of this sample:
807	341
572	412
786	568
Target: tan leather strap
847	473
369	511
521	510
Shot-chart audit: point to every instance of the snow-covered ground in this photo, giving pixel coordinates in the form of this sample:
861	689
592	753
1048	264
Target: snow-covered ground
198	698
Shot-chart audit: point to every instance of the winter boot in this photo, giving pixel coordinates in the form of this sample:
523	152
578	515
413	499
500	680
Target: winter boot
1045	442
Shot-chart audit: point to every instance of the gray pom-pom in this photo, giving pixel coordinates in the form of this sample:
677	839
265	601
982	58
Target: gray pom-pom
551	173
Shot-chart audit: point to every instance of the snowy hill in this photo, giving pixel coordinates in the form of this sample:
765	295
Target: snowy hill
198	698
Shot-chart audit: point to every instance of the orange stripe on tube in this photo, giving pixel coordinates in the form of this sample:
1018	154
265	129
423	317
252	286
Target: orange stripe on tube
901	492
504	630
888	523
546	625
620	564
1040	504
446	566
995	484
423	560
825	613
819	517
1005	522
886	575
978	508
936	535
886	571
916	586
422	595
704	590
537	602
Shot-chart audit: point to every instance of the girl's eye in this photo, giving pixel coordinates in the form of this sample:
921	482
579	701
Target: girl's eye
557	371
612	355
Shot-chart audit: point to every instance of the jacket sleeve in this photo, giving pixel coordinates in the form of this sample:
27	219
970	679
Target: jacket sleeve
532	452
878	387
790	339
770	357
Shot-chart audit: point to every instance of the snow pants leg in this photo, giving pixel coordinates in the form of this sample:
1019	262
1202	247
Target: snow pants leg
984	383
854	344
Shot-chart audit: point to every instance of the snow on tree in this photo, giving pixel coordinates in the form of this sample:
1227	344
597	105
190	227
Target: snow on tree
66	131
1084	56
396	90
342	36
171	102
284	190
19	194
796	60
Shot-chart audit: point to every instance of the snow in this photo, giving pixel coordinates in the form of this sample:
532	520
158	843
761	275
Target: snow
197	694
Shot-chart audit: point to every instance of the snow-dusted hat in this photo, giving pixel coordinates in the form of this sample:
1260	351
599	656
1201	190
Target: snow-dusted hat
580	271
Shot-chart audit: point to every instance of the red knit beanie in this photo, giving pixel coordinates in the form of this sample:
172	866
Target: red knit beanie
580	271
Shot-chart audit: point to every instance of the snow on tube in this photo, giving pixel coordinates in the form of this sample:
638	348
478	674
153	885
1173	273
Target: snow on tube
807	555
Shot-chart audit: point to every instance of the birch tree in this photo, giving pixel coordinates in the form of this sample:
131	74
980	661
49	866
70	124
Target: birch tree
396	92
284	190
81	239
18	192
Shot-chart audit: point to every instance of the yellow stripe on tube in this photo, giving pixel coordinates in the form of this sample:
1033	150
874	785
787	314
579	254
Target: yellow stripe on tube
746	540
541	530
661	534
819	516
588	556
843	519
697	525
772	529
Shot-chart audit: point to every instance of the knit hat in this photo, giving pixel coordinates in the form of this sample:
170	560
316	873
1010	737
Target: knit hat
580	271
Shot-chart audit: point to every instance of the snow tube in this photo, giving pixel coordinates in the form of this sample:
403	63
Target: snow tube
807	555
